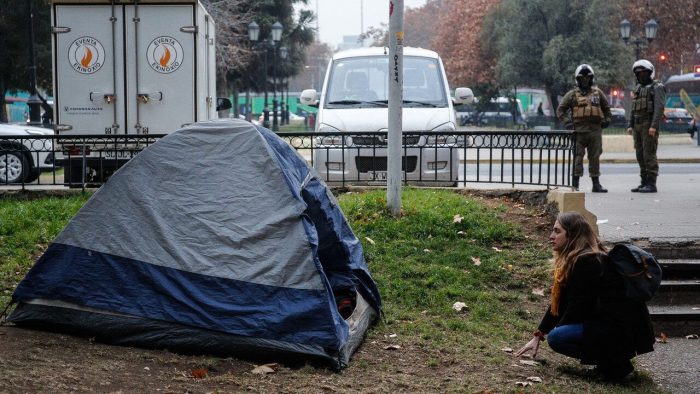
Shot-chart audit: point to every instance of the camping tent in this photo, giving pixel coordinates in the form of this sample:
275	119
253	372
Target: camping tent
218	239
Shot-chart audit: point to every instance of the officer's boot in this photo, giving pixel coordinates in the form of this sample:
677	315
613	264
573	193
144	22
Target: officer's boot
641	185
574	182
650	186
597	187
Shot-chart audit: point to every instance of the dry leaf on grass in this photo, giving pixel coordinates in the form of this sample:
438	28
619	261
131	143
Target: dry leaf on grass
663	338
507	350
476	260
691	336
427	250
530	363
392	347
457	218
265	369
524	384
459	306
535	379
496	249
539	292
370	240
200	373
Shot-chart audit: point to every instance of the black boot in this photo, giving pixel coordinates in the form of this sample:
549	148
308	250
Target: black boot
650	186
597	187
574	182
641	185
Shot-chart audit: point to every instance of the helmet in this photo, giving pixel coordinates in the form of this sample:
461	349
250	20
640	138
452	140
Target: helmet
643	64
583	69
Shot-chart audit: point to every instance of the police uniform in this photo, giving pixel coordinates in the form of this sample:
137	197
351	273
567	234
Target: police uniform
647	109
587	110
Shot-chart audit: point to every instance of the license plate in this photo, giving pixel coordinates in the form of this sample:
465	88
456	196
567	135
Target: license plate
378	176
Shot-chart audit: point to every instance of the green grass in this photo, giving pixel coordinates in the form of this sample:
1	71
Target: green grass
26	229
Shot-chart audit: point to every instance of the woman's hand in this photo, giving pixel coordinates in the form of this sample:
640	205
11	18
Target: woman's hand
533	345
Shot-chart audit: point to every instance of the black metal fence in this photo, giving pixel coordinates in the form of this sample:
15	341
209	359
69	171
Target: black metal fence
343	158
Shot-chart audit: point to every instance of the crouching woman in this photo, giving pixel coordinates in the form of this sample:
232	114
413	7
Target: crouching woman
589	317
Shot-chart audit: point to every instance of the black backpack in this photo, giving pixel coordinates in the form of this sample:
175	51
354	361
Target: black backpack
639	269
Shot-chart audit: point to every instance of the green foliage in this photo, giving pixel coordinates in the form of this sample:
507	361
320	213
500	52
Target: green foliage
541	42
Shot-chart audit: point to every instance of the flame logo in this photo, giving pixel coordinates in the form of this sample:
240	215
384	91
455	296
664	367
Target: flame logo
87	58
165	58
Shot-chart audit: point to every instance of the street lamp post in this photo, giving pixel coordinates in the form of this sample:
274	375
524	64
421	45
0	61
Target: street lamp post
285	104
650	29
34	102
253	36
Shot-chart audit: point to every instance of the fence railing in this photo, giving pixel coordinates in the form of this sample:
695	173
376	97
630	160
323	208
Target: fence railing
343	158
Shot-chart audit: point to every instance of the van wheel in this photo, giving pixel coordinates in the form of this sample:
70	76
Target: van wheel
13	167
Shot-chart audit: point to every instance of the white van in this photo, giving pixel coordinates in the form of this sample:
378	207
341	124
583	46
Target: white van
355	99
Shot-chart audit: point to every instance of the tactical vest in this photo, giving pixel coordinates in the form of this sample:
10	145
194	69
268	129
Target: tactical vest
643	100
587	107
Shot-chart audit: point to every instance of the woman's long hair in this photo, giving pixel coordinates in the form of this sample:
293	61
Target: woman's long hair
580	240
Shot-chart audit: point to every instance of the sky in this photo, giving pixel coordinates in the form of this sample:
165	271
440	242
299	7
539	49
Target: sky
338	18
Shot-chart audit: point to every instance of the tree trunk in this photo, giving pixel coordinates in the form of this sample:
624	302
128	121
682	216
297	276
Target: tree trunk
3	108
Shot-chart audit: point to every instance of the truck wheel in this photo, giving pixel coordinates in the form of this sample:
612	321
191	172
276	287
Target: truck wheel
13	167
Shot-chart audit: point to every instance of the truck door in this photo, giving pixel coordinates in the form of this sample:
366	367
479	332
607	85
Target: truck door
160	60
90	83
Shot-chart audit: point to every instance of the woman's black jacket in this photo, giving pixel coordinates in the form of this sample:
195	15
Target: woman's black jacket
614	326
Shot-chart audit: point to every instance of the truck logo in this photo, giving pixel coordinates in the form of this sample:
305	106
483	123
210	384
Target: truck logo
86	55
165	54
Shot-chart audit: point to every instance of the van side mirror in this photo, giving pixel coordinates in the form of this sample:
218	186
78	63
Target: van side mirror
308	97
223	103
463	96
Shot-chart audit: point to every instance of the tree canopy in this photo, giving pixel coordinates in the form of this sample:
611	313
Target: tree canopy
14	47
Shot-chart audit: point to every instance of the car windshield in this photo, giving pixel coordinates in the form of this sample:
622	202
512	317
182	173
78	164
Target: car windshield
363	82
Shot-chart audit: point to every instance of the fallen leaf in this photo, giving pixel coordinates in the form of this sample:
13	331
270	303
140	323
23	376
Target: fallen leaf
393	335
457	218
425	312
427	250
200	373
146	368
370	240
496	249
524	384
530	363
663	338
535	379
691	336
507	350
392	347
539	292
458	306
460	232
476	260
265	369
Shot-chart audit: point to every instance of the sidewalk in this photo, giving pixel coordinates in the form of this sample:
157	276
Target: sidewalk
674	148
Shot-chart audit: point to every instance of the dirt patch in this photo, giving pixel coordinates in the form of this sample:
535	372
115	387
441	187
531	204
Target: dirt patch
34	361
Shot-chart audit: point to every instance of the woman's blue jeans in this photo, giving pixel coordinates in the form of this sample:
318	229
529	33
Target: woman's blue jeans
567	340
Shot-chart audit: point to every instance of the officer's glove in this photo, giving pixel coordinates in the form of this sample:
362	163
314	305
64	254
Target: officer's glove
569	125
604	124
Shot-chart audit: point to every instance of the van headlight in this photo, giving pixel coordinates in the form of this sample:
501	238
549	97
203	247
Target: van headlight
443	139
331	140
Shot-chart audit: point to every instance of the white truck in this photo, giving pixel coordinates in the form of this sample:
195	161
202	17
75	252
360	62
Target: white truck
128	67
355	99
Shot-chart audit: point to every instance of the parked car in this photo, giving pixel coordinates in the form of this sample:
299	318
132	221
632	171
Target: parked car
678	120
23	159
619	118
499	113
355	99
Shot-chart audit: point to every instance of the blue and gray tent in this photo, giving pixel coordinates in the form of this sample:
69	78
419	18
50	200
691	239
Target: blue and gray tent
217	239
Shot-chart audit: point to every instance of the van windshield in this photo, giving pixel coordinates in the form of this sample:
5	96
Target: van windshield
363	82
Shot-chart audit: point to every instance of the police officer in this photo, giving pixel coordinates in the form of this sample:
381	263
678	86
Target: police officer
586	110
648	101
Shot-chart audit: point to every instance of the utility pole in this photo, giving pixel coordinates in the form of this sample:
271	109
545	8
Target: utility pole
394	134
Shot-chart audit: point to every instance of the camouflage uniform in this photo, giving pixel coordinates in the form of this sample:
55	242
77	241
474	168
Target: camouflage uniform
647	109
587	110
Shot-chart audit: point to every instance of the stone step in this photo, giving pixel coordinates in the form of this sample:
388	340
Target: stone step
679	320
677	292
680	268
